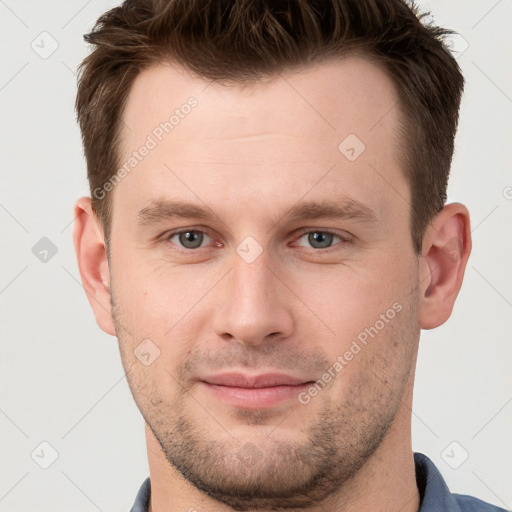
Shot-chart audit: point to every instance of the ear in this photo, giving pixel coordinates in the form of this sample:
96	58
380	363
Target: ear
445	253
93	264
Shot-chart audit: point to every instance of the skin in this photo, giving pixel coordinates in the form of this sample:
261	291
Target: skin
248	155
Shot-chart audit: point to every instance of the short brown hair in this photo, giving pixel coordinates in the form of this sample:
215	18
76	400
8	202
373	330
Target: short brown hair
239	41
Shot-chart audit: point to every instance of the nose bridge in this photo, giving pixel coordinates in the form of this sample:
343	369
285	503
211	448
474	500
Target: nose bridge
252	282
253	304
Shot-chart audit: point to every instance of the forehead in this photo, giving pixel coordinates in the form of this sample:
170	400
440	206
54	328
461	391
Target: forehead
285	130
336	95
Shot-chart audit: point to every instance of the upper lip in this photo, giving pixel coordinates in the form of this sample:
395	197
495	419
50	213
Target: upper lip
241	380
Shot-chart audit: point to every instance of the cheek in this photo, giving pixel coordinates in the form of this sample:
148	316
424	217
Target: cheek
164	304
151	295
346	300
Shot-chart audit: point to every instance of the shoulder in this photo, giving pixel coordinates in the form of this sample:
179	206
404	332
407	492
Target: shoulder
435	495
472	504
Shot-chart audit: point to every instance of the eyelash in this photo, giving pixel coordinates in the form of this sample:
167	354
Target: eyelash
343	239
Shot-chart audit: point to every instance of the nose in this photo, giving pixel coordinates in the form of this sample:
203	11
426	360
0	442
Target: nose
256	308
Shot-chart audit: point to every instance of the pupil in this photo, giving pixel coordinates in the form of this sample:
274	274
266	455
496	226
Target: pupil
191	239
320	240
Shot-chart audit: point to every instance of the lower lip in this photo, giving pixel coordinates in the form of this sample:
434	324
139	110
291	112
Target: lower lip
256	398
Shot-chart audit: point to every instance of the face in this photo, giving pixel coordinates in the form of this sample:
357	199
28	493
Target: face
262	264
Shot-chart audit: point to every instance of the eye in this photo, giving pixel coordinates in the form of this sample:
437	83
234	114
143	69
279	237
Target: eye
191	239
319	239
188	239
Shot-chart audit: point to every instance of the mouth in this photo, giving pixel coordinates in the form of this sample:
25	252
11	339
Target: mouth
254	391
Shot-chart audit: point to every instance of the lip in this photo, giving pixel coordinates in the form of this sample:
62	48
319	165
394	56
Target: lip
241	380
254	391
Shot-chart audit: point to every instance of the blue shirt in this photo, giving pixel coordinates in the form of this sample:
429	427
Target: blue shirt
434	493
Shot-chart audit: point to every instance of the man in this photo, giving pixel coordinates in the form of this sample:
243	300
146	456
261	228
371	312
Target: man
267	235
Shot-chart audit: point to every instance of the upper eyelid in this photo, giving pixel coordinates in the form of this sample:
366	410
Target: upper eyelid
303	231
344	239
177	231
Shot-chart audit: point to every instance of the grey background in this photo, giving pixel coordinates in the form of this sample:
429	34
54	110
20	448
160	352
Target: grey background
61	380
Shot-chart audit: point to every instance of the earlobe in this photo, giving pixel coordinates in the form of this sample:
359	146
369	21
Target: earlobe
446	249
93	264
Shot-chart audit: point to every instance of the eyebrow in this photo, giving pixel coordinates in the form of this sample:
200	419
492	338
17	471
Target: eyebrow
343	209
160	210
